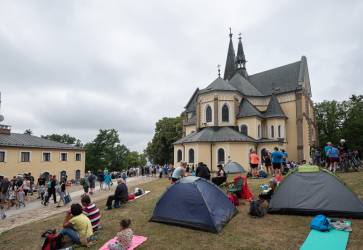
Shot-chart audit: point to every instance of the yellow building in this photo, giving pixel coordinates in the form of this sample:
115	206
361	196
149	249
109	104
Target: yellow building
22	153
240	112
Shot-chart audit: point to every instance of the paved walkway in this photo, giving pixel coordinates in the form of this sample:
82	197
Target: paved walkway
35	211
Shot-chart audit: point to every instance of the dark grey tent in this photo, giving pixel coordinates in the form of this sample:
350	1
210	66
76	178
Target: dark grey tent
194	202
233	168
315	192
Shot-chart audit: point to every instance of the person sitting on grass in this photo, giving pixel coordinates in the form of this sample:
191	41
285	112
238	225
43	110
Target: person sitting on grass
220	176
77	226
124	237
91	211
121	195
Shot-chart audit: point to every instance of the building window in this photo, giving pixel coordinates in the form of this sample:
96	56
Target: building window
25	156
78	156
279	131
46	156
220	156
179	155
259	131
63	156
191	155
208	114
2	156
272	131
225	113
244	129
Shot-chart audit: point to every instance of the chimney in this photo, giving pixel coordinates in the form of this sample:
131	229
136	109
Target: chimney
5	129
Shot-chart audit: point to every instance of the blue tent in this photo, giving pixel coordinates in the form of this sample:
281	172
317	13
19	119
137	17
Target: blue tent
233	168
194	202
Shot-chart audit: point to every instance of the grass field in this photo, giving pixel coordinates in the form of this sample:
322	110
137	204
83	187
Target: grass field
243	232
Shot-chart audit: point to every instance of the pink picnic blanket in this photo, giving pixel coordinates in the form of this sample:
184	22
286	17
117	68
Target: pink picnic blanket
136	241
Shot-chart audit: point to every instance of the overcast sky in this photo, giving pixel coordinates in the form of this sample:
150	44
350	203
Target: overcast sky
77	66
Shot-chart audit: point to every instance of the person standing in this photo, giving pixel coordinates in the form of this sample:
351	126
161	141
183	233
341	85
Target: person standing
276	161
101	178
92	182
254	161
107	181
268	164
52	183
62	192
26	186
333	156
326	149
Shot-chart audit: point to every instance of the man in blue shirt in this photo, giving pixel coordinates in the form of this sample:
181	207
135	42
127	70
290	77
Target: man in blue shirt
333	156
179	172
277	158
326	149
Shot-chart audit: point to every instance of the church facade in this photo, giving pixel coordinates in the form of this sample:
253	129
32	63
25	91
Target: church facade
239	112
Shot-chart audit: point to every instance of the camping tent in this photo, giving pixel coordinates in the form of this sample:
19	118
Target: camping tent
194	202
233	167
310	190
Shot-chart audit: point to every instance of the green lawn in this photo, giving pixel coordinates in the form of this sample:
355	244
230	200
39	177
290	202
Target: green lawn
243	232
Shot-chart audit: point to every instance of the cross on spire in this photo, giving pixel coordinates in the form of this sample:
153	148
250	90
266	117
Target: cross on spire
230	32
219	70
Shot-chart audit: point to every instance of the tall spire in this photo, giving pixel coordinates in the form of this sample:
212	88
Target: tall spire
230	62
241	59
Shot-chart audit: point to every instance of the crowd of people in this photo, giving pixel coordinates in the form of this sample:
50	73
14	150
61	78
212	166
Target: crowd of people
335	157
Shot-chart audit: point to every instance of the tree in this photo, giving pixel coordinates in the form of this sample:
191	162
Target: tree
337	120
105	151
160	149
28	132
65	138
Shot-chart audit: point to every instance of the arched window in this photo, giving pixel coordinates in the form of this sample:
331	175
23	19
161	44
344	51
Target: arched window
279	131
244	129
179	155
259	131
220	155
225	113
191	155
208	114
272	131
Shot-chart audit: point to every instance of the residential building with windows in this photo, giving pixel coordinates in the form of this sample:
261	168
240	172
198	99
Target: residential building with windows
23	153
240	112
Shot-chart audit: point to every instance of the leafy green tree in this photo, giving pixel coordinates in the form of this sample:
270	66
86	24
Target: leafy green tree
160	149
28	132
65	138
337	120
105	151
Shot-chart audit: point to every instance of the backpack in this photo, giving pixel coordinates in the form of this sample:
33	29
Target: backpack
256	210
262	174
320	223
52	240
49	184
249	175
233	198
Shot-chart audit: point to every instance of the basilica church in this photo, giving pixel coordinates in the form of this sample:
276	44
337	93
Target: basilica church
239	112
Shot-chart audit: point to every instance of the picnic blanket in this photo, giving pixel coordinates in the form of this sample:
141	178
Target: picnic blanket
136	241
332	240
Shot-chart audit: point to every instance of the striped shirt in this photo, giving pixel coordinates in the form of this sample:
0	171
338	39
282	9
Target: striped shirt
93	213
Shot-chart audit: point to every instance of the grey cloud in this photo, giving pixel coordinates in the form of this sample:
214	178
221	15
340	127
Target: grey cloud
77	66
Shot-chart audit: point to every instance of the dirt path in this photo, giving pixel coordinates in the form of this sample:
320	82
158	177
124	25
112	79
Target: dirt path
34	211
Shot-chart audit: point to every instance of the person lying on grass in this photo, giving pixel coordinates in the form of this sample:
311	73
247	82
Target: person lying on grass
124	237
77	226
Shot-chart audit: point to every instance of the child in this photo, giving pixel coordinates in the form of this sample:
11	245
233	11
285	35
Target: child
124	237
91	211
12	198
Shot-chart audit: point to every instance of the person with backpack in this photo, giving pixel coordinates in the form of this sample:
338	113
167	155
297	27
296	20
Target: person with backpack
333	156
77	226
268	163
